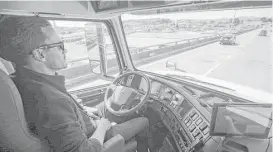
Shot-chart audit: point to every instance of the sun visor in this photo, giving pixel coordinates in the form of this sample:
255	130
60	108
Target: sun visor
120	5
50	7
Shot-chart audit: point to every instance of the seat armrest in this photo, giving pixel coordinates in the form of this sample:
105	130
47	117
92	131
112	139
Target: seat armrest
114	144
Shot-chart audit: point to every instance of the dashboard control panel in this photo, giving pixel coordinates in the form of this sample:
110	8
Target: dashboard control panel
187	125
197	127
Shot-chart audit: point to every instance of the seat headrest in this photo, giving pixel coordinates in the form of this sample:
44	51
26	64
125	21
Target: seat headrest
14	132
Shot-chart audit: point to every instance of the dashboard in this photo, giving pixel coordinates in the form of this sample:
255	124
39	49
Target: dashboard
185	111
186	124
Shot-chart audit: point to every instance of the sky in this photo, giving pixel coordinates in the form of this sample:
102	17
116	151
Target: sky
262	12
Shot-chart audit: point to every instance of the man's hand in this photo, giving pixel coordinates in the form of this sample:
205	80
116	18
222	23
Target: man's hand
104	123
93	112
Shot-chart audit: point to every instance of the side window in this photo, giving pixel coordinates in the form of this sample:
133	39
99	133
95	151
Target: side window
86	42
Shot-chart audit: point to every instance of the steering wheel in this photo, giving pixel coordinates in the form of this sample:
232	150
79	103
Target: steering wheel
122	100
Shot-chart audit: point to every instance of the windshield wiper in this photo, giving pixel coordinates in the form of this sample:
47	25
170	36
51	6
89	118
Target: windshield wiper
198	81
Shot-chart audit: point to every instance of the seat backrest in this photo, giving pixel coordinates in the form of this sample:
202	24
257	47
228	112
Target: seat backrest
2	66
14	133
6	66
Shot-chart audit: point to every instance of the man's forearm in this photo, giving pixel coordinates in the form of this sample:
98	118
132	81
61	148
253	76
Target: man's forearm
99	134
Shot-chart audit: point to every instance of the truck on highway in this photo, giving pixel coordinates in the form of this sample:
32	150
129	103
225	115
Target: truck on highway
198	95
263	32
228	38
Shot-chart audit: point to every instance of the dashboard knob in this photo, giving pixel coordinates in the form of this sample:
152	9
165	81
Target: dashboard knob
162	97
168	90
178	97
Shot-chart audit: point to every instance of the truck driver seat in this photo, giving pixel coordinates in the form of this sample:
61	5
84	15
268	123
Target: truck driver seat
14	133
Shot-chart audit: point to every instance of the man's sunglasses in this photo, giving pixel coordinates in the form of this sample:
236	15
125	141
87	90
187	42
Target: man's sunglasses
49	46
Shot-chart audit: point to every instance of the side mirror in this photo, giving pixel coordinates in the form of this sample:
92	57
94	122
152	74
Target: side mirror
95	66
171	65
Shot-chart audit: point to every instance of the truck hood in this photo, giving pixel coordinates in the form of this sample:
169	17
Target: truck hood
241	91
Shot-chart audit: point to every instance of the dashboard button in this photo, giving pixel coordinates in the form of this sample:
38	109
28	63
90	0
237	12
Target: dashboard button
189	123
200	120
203	126
168	90
195	117
206	131
199	136
174	106
186	120
196	133
178	97
192	127
192	113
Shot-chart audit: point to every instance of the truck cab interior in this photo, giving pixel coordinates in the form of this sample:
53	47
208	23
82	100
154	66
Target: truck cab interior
185	113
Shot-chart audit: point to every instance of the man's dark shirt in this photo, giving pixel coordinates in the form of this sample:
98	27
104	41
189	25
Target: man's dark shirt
53	114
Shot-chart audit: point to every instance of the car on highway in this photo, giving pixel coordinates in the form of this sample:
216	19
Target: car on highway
198	96
228	39
263	33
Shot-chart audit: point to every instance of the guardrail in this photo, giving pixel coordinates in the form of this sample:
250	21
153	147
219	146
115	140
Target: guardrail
138	54
142	56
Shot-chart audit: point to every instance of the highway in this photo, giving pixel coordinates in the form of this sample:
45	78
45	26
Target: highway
248	63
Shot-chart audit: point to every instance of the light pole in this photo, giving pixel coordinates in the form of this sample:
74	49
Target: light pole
232	26
54	24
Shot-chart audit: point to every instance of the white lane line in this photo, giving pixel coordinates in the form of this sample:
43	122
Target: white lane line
210	70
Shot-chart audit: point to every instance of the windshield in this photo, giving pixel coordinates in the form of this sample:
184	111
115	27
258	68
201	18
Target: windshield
193	43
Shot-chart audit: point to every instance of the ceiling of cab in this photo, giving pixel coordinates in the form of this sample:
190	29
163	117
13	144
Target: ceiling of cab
91	7
51	7
107	8
122	5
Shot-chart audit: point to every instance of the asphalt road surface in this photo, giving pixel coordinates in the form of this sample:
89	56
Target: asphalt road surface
248	63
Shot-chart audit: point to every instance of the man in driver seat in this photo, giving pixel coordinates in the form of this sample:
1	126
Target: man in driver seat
51	112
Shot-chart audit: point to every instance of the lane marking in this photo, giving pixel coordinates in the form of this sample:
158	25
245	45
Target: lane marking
213	68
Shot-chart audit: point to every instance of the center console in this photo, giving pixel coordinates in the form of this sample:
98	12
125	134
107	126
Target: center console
196	125
186	124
